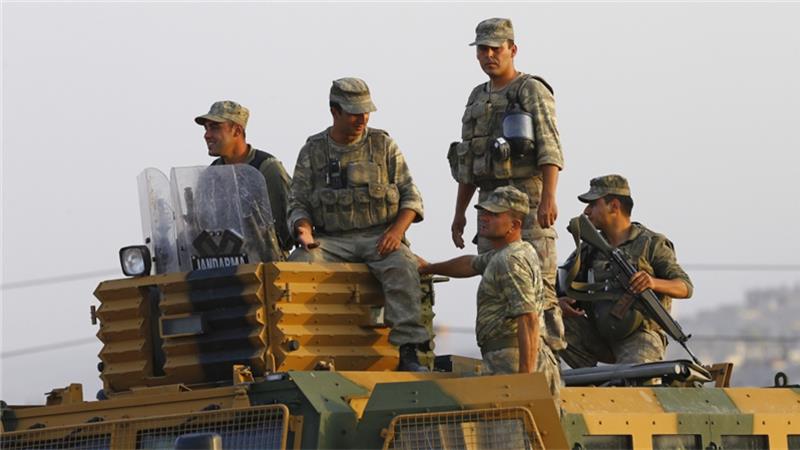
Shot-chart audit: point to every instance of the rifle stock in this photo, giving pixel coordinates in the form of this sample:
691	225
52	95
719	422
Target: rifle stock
624	270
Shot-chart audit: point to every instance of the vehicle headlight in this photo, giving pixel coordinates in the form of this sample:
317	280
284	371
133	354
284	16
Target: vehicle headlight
135	260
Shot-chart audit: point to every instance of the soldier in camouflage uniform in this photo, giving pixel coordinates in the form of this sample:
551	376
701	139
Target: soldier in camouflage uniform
510	320
609	209
225	137
475	163
353	192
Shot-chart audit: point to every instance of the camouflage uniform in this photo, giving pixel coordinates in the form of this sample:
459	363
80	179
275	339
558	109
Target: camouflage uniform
275	175
511	285
471	160
651	252
350	220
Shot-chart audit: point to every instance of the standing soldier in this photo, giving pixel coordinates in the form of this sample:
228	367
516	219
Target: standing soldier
353	191
225	138
510	297
509	137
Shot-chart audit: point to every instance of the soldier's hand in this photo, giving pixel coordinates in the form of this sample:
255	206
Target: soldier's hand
568	307
640	281
306	240
389	242
547	212
423	265
457	230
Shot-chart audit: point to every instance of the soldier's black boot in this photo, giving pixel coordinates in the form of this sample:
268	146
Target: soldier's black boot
408	359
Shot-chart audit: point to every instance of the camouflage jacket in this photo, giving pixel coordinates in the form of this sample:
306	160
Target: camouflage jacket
511	285
375	183
650	251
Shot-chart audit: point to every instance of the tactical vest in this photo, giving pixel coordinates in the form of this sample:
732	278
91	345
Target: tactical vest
602	292
472	160
368	195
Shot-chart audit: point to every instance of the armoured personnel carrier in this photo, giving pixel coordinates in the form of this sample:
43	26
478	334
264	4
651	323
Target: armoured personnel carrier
213	342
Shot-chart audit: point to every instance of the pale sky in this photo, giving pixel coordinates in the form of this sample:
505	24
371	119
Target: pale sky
697	105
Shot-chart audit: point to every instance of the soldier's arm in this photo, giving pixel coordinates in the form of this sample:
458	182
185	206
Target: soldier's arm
465	193
393	236
528	336
279	191
548	210
459	267
525	303
670	279
539	101
410	197
299	200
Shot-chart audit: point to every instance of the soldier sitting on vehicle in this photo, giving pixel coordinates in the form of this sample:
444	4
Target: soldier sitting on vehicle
589	335
352	200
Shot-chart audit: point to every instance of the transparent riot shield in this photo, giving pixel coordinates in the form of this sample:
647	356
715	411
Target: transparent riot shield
158	220
220	217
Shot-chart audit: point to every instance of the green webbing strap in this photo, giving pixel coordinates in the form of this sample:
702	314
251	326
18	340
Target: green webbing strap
584	292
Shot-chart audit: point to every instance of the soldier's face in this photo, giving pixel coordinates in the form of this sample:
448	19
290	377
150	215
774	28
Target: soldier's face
220	137
494	225
497	61
598	211
351	125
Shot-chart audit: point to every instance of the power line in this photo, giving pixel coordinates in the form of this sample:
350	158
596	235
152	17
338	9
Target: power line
47	347
57	279
733	267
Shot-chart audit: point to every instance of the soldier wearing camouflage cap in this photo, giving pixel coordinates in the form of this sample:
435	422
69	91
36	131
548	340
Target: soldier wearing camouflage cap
488	157
590	339
225	137
511	303
353	199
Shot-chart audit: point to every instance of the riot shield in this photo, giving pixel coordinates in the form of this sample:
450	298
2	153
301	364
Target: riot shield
221	217
158	220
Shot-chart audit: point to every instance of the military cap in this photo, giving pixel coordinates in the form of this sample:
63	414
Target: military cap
352	94
493	32
607	184
505	198
224	111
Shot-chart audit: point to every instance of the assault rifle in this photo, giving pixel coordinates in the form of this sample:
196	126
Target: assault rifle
623	270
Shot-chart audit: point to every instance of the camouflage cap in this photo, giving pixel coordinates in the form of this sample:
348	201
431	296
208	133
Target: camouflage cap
493	32
607	184
505	198
352	94
224	111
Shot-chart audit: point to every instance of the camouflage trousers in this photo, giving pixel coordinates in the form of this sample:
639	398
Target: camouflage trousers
397	273
506	361
545	244
586	347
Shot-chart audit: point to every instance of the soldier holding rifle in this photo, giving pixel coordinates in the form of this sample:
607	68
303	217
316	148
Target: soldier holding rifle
604	326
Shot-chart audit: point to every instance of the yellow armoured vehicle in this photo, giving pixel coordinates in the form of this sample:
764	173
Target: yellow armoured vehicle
213	342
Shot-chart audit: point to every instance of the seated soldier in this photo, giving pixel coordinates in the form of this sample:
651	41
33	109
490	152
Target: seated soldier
589	339
353	192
